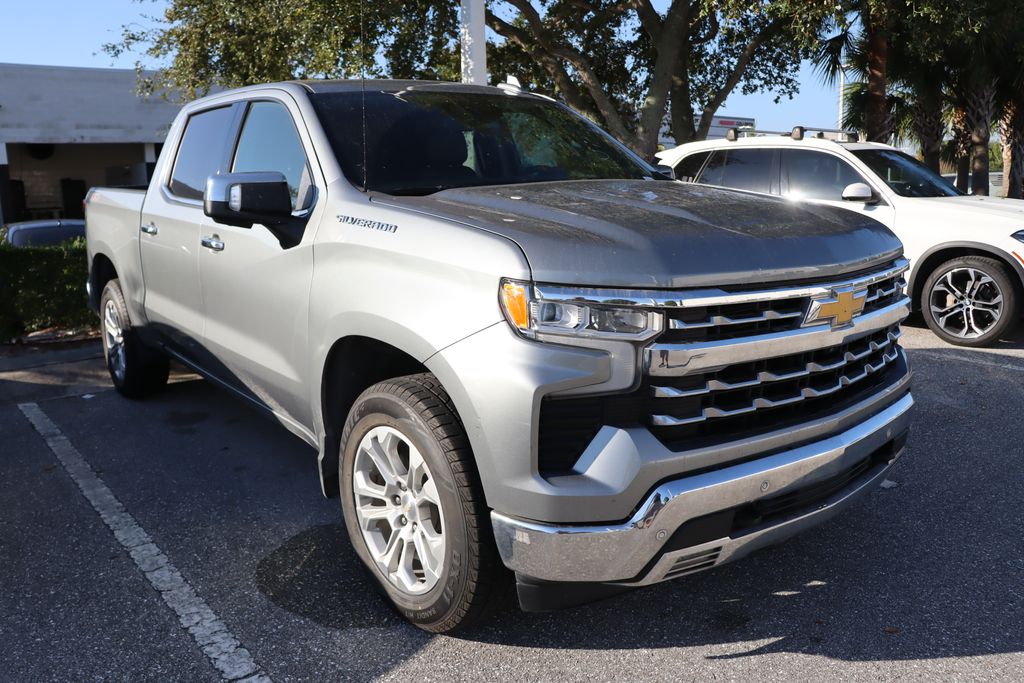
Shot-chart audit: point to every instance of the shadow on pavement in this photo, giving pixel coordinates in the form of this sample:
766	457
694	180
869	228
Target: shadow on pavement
930	568
318	576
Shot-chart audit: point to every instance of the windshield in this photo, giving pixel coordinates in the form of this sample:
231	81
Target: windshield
423	141
907	176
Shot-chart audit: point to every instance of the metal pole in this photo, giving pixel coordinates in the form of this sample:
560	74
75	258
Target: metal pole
842	96
474	42
5	186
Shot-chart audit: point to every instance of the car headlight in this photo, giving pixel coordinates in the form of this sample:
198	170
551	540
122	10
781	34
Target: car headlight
1019	235
572	316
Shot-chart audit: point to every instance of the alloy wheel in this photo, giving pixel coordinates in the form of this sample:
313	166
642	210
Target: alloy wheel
399	510
966	302
113	339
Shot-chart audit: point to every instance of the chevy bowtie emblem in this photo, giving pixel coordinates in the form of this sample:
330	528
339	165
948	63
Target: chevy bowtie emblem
839	310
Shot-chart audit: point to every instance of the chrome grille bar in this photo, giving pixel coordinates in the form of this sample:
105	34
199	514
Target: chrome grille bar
678	359
719	320
759	403
882	293
767	377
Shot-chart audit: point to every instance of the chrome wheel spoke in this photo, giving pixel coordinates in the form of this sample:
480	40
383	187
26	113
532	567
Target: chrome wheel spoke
430	562
428	493
950	287
364	487
392	553
370	515
971	323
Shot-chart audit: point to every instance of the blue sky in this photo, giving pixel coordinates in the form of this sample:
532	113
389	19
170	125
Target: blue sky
72	33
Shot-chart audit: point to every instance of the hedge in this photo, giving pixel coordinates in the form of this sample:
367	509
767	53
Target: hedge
42	287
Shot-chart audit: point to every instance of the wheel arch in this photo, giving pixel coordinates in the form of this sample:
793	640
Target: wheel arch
937	255
353	364
101	271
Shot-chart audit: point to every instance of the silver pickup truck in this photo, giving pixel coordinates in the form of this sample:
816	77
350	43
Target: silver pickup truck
509	339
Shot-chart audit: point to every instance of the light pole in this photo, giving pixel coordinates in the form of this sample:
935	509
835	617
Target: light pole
474	42
842	96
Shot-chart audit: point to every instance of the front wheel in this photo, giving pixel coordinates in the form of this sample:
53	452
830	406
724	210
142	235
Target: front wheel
413	506
135	369
969	301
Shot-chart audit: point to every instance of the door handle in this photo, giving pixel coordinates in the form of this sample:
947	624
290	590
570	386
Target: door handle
213	243
150	228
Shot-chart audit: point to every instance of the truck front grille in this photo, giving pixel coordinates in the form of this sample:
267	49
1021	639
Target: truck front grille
773	382
748	318
720	388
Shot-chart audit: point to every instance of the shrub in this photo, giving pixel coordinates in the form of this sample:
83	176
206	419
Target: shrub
43	287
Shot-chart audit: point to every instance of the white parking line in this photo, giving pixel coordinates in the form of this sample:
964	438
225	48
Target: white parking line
223	650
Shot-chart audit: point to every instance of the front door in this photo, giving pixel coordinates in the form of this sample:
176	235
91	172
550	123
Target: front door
255	281
818	176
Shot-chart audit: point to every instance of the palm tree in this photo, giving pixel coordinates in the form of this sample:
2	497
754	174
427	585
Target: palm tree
868	32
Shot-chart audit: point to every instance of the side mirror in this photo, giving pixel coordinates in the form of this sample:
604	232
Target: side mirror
859	192
668	172
241	199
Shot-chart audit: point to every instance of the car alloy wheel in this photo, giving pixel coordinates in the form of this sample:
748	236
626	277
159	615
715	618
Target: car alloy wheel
113	339
966	302
399	510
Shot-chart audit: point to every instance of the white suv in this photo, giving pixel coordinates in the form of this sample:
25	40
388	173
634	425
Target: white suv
966	252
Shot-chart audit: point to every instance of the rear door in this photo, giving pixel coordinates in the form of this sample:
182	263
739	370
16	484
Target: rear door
171	221
742	168
255	284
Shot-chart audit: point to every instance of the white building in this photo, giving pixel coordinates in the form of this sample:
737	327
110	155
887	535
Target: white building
66	129
719	126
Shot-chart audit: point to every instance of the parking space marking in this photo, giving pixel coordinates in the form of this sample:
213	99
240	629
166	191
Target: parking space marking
224	651
938	355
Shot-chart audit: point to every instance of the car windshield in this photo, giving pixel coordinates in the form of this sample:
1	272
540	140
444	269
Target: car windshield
904	174
422	141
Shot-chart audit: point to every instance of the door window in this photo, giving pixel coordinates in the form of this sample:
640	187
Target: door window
269	142
200	152
741	169
807	174
689	167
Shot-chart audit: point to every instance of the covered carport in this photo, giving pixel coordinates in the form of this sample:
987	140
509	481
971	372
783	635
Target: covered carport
66	129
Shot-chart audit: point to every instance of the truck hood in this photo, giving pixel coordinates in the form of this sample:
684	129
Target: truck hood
657	234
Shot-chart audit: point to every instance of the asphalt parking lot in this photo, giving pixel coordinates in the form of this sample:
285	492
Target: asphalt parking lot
923	580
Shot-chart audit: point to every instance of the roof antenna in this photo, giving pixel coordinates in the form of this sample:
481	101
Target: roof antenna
362	88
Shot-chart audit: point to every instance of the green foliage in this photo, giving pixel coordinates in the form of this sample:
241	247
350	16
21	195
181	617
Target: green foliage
229	44
43	287
621	63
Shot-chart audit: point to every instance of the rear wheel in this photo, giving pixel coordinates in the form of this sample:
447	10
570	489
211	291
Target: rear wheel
135	369
413	507
970	301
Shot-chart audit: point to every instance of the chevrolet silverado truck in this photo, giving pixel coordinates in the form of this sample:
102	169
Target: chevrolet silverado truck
511	342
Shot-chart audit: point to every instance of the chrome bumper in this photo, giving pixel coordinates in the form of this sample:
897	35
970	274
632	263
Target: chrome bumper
623	552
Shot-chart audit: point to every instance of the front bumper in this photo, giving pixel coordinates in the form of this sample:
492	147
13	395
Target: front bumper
652	545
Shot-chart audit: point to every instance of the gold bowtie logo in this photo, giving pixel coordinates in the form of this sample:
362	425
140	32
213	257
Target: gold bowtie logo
839	310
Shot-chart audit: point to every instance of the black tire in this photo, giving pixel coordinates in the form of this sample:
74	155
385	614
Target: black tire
418	407
135	369
992	329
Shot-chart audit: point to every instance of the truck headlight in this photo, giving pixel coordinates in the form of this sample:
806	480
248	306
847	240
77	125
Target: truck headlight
574	317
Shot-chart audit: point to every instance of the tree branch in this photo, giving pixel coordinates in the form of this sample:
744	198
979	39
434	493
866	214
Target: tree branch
734	77
609	112
569	90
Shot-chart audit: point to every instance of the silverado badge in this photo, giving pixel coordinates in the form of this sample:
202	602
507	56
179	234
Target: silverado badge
839	310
